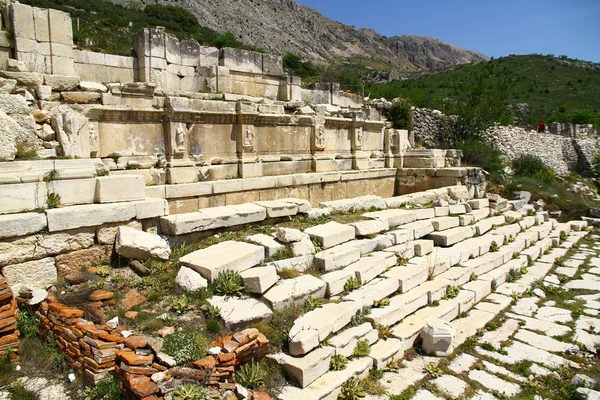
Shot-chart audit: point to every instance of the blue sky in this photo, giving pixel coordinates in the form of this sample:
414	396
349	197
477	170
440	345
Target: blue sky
493	27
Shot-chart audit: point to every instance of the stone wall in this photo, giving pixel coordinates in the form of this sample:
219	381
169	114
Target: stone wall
562	154
100	67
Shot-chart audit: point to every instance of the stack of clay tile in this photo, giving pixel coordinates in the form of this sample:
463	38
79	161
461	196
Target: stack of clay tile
88	348
9	336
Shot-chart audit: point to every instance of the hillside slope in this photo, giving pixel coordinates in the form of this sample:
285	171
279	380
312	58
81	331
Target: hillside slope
284	26
555	88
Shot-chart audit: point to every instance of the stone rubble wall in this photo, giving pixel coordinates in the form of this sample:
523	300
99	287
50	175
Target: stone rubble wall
98	350
562	154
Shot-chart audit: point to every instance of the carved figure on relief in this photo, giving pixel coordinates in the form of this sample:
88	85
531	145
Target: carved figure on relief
248	137
181	135
359	136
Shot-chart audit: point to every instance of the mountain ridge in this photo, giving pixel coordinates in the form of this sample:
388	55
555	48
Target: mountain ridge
284	26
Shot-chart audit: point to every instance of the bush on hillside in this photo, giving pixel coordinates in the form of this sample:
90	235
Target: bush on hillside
294	65
478	153
533	167
401	115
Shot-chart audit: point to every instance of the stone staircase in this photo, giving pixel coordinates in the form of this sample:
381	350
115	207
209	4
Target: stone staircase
432	254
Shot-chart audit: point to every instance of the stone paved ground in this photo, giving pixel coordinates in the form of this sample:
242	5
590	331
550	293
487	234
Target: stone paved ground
546	340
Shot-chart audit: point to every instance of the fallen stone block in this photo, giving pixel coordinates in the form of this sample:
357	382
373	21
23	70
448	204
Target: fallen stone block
278	208
331	233
271	245
238	313
478	204
303	204
444	223
289	235
33	274
394	217
369	228
375	290
408	276
259	279
336	281
294	291
301	263
336	258
120	188
437	336
305	370
371	266
418	229
190	280
323	321
232	255
386	350
355	204
452	236
512	217
457	209
139	245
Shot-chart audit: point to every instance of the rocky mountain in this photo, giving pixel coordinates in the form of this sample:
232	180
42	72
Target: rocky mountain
284	26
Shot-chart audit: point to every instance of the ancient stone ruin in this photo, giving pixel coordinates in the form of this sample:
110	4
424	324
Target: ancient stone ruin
135	157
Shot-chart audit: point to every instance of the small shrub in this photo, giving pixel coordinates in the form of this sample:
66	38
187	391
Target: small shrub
228	283
352	284
362	349
27	325
18	392
381	303
476	152
488	347
312	304
211	311
185	346
338	363
130	166
451	292
402	261
52	200
373	386
494	247
50	175
250	375
494	285
473	277
385	331
401	115
352	389
359	317
190	391
180	304
534	167
213	326
434	370
513	275
392	366
25	151
102	172
106	389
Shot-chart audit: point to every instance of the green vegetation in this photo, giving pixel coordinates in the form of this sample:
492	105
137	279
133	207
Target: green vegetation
338	363
401	115
185	346
106	389
362	349
27	324
100	25
352	389
190	391
250	375
18	392
556	89
533	167
228	283
352	284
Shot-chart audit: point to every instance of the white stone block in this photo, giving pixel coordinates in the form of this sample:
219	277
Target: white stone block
33	274
13	225
190	280
337	257
120	188
259	279
374	290
443	223
305	370
336	280
419	229
72	192
22	197
408	276
238	313
139	245
151	208
437	336
386	350
61	219
355	204
303	205
477	204
278	208
371	266
303	248
232	255
331	233
289	235
452	236
294	291
369	228
271	245
393	217
423	247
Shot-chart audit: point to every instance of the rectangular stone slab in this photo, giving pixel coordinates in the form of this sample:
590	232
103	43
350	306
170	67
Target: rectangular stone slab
293	291
331	233
236	256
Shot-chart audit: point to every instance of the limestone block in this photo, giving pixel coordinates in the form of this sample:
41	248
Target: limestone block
190	280
325	320
212	218
21	197
437	338
478	215
303	205
408	276
442	211
303	248
13	104
60	219
371	266
232	255
301	263
336	280
457	209
294	291
29	79
466	219
107	233
80	97
386	350
305	370
238	313
477	204
443	223
452	236
423	247
393	217
278	208
33	274
357	203
331	233
13	225
458	192
259	279
418	229
61	83
289	235
424	213
345	341
377	289
400	236
271	245
336	258
369	228
118	188
578	226
139	245
72	192
404	250
151	208
92	87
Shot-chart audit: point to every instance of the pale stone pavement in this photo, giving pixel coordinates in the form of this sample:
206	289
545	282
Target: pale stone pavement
542	333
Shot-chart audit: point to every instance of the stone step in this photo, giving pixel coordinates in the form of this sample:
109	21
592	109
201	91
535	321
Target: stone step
238	313
331	234
305	370
345	341
452	236
337	257
294	291
355	204
371	266
377	289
